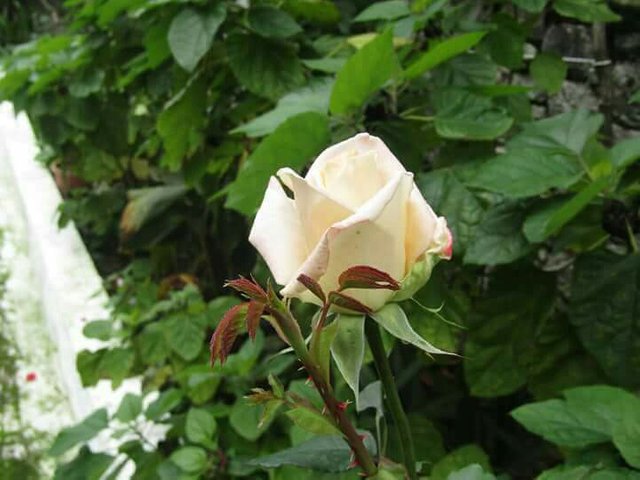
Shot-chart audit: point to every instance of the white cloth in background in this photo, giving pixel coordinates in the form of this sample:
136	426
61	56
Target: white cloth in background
54	286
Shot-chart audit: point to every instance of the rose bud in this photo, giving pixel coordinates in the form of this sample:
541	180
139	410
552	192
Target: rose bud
357	205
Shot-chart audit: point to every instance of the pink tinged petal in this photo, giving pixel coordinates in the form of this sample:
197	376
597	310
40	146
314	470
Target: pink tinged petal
317	210
278	235
368	237
426	232
442	240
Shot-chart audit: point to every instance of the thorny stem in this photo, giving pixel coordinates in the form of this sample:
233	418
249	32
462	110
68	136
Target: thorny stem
374	339
290	329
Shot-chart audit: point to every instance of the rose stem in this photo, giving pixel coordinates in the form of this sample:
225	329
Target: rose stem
374	339
290	328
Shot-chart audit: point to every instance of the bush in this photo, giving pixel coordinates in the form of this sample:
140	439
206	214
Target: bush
163	120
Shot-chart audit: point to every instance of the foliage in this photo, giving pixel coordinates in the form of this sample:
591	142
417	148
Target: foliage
20	444
170	116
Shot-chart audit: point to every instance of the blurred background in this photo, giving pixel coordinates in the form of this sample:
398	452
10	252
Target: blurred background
145	134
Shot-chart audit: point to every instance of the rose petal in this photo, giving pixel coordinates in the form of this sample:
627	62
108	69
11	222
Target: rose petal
278	235
316	209
363	162
368	237
424	229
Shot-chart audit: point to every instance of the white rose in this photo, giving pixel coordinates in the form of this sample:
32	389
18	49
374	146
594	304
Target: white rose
357	205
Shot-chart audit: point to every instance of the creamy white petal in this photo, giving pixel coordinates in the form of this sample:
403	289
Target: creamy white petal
278	235
424	229
372	236
316	209
354	170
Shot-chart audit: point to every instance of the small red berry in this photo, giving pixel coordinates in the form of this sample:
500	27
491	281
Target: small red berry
31	377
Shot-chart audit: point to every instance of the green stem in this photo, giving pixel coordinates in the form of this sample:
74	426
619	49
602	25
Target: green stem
290	328
393	398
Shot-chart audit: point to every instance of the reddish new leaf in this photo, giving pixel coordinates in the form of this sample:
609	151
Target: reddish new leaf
254	312
313	286
248	288
345	301
362	276
226	333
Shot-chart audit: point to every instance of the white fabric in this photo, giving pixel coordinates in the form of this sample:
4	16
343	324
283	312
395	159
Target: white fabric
55	288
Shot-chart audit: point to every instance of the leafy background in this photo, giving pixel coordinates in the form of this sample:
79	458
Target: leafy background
162	121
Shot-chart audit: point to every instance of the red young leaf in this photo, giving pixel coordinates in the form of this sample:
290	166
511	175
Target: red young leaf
254	312
313	286
226	333
249	288
350	303
362	276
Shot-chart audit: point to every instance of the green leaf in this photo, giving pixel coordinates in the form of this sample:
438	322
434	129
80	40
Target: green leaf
200	427
312	421
87	364
554	421
465	116
458	459
625	152
325	453
85	466
166	401
364	74
549	220
293	144
191	33
393	319
498	239
533	6
603	407
271	22
427	440
320	346
589	415
389	10
90	81
443	51
145	204
506	42
247	419
451	199
472	472
588	472
548	71
190	459
586	10
605	310
82	432
115	364
200	383
313	97
327	65
151	344
348	349
100	329
626	436
323	12
130	407
185	337
266	67
564	133
180	123
635	97
527	172
545	155
501	347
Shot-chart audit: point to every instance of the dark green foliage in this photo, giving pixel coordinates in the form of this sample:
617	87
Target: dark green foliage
165	120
